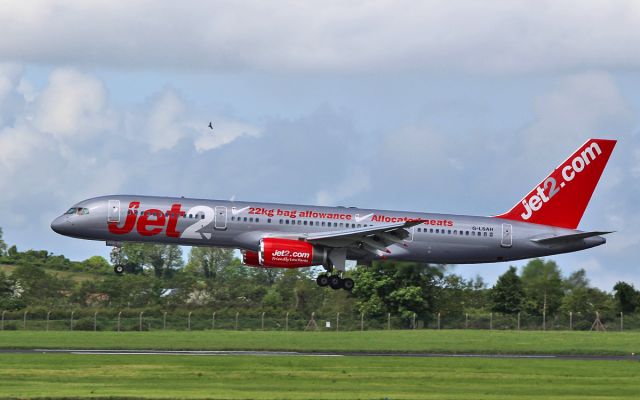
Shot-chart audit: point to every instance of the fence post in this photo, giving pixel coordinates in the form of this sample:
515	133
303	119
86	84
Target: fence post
48	314
570	320
413	321
213	321
518	320
361	322
164	320
24	320
621	322
71	323
286	322
3	312
491	321
237	313
337	322
544	319
466	321
189	321
389	321
95	321
141	312
438	321
262	318
119	314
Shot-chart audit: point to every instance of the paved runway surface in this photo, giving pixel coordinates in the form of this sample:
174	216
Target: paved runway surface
324	354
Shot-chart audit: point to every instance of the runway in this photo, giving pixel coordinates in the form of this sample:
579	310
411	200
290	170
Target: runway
315	354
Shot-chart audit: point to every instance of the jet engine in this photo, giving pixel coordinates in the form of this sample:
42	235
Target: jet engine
285	253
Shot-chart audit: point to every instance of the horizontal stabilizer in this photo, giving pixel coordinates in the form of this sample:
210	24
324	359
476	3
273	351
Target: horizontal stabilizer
569	238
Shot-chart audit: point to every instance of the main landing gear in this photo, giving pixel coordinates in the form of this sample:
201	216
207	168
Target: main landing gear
335	282
116	259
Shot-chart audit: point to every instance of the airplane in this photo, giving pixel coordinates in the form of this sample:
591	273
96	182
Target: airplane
274	235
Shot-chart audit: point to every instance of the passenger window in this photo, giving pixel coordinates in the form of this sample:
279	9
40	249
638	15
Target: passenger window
245	219
449	231
257	220
268	220
317	223
202	216
322	223
437	230
485	234
455	232
305	223
281	221
232	218
299	222
287	222
251	219
467	233
490	234
431	230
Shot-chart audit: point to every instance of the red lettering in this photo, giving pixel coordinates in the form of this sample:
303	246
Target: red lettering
129	222
173	220
144	222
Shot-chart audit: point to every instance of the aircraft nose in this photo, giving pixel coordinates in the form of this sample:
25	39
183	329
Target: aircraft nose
595	241
61	225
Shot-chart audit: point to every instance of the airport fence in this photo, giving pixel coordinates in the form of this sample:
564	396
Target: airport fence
186	320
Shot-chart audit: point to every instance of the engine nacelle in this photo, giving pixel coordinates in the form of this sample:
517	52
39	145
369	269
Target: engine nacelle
250	258
287	253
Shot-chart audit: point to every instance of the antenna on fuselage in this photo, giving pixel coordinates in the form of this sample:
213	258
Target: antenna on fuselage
233	198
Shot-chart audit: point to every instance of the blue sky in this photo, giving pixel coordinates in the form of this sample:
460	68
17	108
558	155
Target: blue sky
456	107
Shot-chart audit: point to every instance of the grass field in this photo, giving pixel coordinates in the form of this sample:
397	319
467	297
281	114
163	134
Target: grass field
266	377
426	341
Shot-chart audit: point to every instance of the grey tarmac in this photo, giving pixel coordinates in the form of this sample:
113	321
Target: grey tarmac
317	354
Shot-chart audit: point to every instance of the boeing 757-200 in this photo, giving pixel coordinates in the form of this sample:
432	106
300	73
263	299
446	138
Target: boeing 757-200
273	235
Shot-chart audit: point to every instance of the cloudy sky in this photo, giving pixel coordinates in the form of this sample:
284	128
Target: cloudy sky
445	106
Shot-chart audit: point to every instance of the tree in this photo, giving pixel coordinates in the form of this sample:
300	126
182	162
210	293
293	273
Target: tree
163	259
507	296
3	245
397	287
627	298
542	283
210	262
577	280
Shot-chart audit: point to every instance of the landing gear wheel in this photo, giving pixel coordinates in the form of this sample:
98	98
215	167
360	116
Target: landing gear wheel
322	280
335	282
348	284
118	269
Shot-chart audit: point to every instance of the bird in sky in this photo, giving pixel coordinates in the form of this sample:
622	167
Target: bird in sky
211	125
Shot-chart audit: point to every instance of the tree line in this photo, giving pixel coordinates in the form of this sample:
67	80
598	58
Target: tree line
158	277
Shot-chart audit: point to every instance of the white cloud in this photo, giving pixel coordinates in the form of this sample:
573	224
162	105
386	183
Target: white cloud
73	103
164	126
485	37
357	180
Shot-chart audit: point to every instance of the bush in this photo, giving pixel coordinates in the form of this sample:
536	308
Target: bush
85	324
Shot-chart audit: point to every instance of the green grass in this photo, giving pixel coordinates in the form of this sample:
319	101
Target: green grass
73	275
425	341
265	377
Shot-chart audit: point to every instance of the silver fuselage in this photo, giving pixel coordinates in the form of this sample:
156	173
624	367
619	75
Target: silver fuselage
442	238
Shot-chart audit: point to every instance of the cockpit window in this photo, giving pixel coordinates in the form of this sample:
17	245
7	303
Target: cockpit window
77	210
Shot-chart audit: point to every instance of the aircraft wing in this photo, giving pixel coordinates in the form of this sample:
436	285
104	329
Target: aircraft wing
371	238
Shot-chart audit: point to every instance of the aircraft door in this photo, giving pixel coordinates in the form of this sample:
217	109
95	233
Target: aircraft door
113	213
221	217
507	238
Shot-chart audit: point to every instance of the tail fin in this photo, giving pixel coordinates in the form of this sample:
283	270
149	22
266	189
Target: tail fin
561	199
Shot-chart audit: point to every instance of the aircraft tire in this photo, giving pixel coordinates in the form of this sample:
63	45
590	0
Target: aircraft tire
348	284
335	282
322	280
118	269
